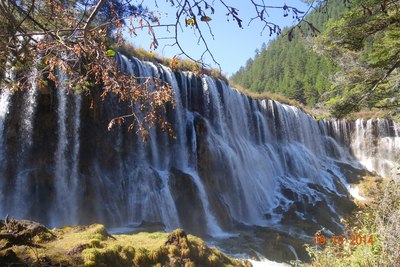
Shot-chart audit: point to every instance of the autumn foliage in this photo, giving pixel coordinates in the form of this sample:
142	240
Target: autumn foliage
69	42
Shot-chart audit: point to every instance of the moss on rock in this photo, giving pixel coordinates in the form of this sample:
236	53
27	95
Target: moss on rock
93	246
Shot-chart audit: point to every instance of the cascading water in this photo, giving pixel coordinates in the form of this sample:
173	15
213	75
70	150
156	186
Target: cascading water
21	195
4	106
74	176
382	155
66	160
182	158
236	162
60	158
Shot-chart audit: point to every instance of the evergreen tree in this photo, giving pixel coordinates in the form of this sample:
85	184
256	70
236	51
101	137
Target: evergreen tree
291	67
366	45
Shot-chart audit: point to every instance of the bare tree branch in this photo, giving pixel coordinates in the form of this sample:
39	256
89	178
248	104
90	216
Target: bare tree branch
91	17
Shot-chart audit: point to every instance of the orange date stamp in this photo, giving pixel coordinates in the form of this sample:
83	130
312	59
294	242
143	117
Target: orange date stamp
355	240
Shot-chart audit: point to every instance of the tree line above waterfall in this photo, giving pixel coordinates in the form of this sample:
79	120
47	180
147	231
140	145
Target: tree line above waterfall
351	65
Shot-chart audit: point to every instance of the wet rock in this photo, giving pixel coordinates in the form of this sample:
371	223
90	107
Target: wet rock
188	204
289	194
78	249
352	174
10	258
176	238
21	232
213	169
152	226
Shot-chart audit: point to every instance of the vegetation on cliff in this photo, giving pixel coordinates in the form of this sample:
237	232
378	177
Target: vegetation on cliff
93	246
378	219
176	63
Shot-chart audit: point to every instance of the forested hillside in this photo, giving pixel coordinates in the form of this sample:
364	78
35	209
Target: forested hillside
291	67
365	44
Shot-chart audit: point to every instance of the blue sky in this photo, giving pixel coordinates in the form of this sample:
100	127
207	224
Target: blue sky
231	46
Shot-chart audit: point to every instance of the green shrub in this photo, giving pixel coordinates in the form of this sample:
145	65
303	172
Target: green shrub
381	220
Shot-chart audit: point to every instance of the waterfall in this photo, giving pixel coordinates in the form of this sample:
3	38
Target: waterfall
22	183
74	183
212	224
4	106
66	170
182	157
60	159
375	147
28	110
375	144
5	95
235	162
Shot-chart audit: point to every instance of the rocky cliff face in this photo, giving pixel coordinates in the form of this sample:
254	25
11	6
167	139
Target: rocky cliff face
236	161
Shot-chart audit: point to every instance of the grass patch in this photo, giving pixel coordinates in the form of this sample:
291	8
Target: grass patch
317	113
92	246
176	63
366	115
